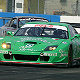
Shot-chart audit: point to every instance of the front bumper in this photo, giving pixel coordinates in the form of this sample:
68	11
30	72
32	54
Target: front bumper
34	58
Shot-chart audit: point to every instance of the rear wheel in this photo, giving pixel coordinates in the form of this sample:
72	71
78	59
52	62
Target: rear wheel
72	62
70	57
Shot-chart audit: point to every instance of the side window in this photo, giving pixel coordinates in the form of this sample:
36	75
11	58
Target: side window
72	31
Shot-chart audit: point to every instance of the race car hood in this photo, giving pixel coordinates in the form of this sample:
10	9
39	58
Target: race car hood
31	43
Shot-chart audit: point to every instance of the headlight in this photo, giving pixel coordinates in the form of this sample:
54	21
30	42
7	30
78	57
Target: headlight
50	48
6	45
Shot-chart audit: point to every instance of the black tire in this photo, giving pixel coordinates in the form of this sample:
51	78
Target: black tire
70	57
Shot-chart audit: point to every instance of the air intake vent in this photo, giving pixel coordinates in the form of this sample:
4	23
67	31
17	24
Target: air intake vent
31	42
26	57
44	58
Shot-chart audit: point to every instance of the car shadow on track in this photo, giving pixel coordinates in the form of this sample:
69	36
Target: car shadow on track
38	66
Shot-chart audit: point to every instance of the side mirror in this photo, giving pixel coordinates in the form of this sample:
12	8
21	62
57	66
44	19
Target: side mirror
9	33
76	36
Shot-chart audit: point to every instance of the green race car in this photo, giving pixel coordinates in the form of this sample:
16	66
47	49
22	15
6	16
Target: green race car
42	43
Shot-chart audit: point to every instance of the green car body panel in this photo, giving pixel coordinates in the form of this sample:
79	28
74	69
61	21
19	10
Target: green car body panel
39	50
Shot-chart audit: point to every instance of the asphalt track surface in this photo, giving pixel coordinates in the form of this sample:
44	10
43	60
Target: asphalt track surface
21	72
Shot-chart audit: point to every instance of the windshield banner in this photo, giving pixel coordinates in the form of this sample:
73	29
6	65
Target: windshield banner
44	25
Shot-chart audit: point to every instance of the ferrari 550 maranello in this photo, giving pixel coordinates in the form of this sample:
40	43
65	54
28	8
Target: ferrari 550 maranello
42	43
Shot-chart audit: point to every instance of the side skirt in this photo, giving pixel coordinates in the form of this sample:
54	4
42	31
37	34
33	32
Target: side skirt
34	63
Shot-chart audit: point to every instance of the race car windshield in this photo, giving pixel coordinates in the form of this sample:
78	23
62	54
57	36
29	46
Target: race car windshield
42	32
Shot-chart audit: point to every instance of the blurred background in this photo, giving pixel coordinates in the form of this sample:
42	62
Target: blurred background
50	7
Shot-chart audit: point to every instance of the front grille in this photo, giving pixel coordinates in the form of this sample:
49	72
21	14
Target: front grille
26	57
7	56
44	58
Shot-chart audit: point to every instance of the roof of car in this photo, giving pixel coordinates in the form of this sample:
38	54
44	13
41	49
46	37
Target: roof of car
29	17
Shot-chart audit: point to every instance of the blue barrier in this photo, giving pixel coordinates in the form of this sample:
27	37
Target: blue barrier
52	18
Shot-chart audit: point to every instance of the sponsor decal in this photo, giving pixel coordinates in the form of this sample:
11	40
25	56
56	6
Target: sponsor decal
23	48
40	25
64	42
2	51
8	42
44	25
1	38
39	39
61	51
28	38
49	54
18	41
63	55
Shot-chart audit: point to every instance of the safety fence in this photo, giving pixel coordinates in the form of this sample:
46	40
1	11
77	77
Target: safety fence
5	17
